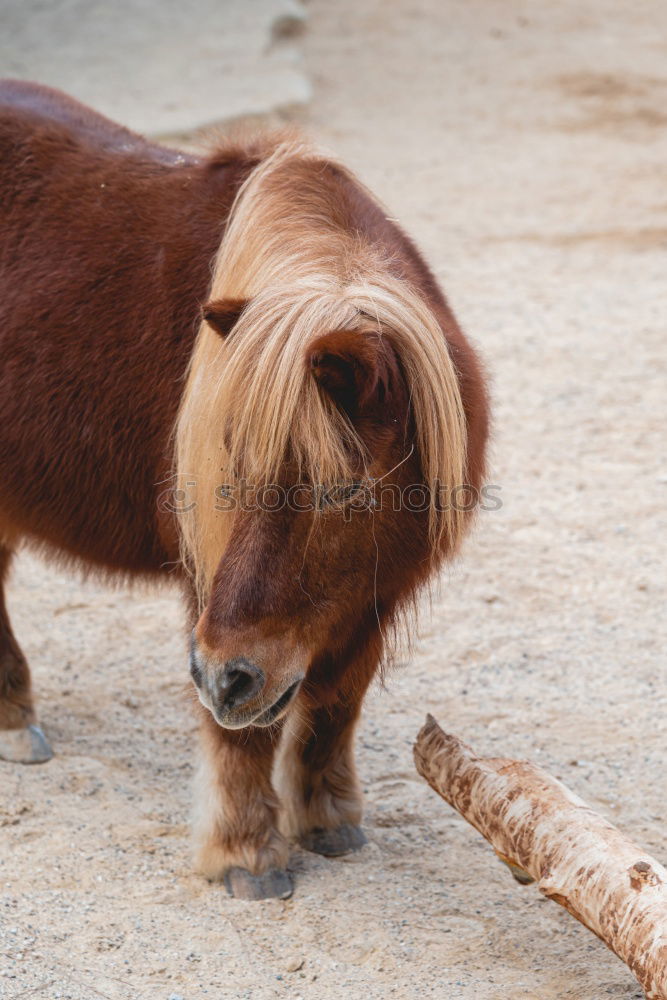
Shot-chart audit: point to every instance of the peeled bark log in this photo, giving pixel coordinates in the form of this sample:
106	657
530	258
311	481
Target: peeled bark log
546	834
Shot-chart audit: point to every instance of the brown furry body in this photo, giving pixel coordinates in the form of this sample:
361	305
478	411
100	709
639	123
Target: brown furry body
106	258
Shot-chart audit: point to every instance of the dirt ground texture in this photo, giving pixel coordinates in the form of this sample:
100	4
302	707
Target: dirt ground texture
159	67
524	146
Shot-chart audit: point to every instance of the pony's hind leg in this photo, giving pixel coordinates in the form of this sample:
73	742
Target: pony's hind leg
21	739
316	776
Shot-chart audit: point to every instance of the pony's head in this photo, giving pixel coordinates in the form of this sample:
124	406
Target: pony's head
322	428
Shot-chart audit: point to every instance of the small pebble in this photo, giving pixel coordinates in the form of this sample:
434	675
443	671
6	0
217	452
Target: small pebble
293	964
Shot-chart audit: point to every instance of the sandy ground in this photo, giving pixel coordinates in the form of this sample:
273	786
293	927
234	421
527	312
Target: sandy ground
525	146
164	67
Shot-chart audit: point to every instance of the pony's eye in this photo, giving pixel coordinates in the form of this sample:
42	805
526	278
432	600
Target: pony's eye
337	496
349	492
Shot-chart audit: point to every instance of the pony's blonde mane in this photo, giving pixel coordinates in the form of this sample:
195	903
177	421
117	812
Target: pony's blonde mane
250	399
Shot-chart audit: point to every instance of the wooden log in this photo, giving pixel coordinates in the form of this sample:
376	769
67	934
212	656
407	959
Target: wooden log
547	834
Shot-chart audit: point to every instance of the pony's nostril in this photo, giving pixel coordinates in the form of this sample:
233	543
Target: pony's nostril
195	669
195	673
240	681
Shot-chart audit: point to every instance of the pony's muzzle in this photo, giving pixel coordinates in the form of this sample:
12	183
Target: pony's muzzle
238	693
230	687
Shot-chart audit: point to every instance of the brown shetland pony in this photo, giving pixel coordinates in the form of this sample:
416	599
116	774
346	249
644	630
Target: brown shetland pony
208	368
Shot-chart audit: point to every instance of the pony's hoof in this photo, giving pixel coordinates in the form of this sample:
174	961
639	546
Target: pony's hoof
25	746
332	843
273	884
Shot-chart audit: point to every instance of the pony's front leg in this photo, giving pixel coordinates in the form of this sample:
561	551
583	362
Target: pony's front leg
316	777
236	835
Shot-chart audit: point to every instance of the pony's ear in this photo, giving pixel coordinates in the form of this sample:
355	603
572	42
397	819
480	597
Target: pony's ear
349	365
223	314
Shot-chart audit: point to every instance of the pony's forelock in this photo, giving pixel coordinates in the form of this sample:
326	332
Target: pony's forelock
250	400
